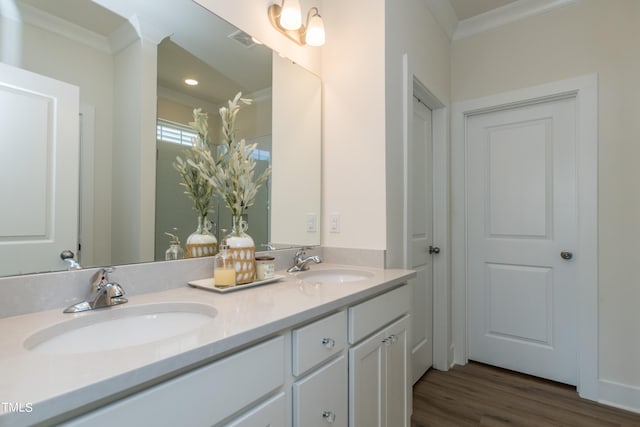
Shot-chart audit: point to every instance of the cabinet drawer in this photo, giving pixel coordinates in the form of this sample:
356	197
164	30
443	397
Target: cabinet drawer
316	342
272	413
201	397
321	398
371	315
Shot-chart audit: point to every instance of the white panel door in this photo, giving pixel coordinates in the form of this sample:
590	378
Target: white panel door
38	171
522	216
420	236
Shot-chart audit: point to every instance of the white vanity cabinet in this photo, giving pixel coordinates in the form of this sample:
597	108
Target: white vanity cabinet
320	370
346	369
379	386
207	395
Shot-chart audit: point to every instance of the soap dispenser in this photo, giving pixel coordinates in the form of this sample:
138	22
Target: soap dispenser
224	272
175	251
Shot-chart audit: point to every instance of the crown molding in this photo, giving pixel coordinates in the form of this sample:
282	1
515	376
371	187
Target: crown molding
184	99
444	14
512	12
51	23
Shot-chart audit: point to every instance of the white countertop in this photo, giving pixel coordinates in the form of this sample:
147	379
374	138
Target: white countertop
53	384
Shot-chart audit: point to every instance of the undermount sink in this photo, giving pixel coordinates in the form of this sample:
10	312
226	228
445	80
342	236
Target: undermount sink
334	276
121	327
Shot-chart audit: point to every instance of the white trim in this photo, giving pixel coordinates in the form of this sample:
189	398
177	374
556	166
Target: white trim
620	395
181	98
441	235
407	116
507	14
122	37
87	180
56	25
586	94
444	14
440	170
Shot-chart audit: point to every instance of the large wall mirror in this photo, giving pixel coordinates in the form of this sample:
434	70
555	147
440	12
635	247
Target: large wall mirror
129	60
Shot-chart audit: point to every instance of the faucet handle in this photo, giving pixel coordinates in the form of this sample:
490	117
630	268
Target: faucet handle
300	252
101	278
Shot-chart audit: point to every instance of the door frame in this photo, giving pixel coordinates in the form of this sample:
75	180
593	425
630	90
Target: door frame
585	91
87	154
442	345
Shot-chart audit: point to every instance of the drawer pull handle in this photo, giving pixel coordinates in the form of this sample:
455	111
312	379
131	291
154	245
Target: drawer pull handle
391	339
329	416
328	342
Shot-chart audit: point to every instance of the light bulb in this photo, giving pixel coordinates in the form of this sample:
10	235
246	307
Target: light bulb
315	31
290	15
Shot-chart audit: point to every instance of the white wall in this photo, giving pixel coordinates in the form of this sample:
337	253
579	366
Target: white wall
353	73
585	37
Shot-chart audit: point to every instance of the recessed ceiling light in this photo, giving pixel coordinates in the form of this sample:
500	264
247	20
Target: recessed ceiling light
191	82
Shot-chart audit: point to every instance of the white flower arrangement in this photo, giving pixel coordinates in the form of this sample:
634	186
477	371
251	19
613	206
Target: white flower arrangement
231	169
197	187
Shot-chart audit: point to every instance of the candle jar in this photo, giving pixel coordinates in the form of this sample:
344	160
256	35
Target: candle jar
265	267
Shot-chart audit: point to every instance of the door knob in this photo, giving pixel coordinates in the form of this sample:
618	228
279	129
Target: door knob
434	250
329	416
69	258
67	254
566	255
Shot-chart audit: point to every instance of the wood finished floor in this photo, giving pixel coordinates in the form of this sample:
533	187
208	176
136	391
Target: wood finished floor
481	395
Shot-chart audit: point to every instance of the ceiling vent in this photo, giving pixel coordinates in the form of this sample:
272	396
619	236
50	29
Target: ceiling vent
243	38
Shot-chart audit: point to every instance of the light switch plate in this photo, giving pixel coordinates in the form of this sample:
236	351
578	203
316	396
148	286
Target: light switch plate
334	222
312	222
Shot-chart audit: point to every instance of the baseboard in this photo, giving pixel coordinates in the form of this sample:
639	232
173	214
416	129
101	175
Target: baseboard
619	395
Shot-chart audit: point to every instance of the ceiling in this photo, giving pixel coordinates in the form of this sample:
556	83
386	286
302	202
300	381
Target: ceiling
469	8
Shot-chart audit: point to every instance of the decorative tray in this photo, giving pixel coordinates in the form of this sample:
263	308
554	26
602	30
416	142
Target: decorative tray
209	284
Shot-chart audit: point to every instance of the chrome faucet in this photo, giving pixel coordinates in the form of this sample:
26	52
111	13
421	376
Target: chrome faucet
104	293
300	263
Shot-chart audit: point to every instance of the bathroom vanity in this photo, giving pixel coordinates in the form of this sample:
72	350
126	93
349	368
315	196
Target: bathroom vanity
324	347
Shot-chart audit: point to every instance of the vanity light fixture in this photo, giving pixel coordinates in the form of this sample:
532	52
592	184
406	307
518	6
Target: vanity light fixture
191	82
286	18
290	15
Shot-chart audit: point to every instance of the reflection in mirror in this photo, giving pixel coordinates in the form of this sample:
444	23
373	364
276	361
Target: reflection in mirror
176	102
111	51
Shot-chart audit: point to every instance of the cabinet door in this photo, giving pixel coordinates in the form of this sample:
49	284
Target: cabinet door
320	399
397	386
366	378
272	413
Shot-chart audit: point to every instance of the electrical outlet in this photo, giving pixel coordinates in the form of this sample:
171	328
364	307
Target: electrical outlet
334	222
312	223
